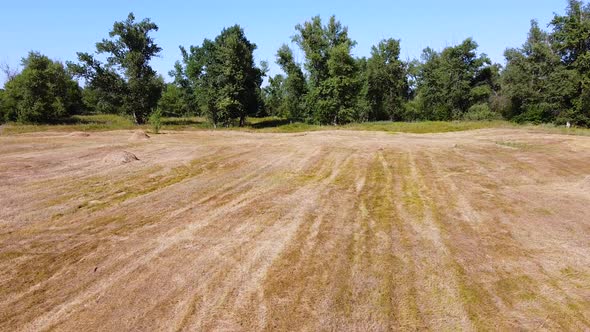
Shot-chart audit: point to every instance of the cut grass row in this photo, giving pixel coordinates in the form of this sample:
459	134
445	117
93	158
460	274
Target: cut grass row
106	122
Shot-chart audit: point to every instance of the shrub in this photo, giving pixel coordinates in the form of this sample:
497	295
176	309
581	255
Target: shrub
156	120
481	112
3	108
536	114
573	117
413	111
43	92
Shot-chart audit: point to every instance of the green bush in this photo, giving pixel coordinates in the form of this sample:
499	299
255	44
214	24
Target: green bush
536	114
43	92
413	111
155	120
481	112
573	117
3	108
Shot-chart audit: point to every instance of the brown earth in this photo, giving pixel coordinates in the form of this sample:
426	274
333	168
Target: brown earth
139	136
337	231
78	134
120	157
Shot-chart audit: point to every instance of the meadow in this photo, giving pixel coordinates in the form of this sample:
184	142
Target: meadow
278	226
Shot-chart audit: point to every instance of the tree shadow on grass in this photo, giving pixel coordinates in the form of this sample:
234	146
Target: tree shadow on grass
270	123
181	122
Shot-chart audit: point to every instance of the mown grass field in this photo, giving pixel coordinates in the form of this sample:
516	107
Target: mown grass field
340	230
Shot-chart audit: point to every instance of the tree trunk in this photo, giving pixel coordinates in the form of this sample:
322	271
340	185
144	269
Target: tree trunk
138	119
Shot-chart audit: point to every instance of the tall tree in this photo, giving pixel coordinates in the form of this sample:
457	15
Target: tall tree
172	102
127	79
42	92
311	38
6	110
535	81
224	76
571	39
275	95
338	94
198	70
295	85
387	82
334	84
363	105
184	88
452	81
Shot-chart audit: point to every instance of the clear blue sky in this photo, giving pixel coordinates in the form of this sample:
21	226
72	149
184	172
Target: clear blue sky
59	29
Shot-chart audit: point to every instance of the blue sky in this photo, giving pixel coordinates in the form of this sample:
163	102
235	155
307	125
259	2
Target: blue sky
59	29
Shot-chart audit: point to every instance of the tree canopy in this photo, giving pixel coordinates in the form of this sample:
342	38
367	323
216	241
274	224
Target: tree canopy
43	91
223	76
126	82
387	85
546	79
452	81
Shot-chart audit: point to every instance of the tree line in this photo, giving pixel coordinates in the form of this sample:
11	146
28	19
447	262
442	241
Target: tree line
547	79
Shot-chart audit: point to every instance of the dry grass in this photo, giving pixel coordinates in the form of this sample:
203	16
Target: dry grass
327	230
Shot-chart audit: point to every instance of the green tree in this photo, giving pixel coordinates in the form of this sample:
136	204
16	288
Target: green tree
43	92
196	74
363	105
312	39
536	83
387	89
274	96
240	79
224	76
452	81
295	85
173	102
4	109
571	40
334	85
126	80
104	90
184	91
338	94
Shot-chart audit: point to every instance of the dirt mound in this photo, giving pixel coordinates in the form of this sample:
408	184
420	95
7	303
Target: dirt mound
139	136
585	184
78	134
119	158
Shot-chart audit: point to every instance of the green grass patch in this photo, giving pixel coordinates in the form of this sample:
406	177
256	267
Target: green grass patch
92	196
100	122
516	288
424	127
553	129
427	126
105	122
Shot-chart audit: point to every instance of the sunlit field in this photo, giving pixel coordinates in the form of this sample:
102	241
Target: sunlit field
319	230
